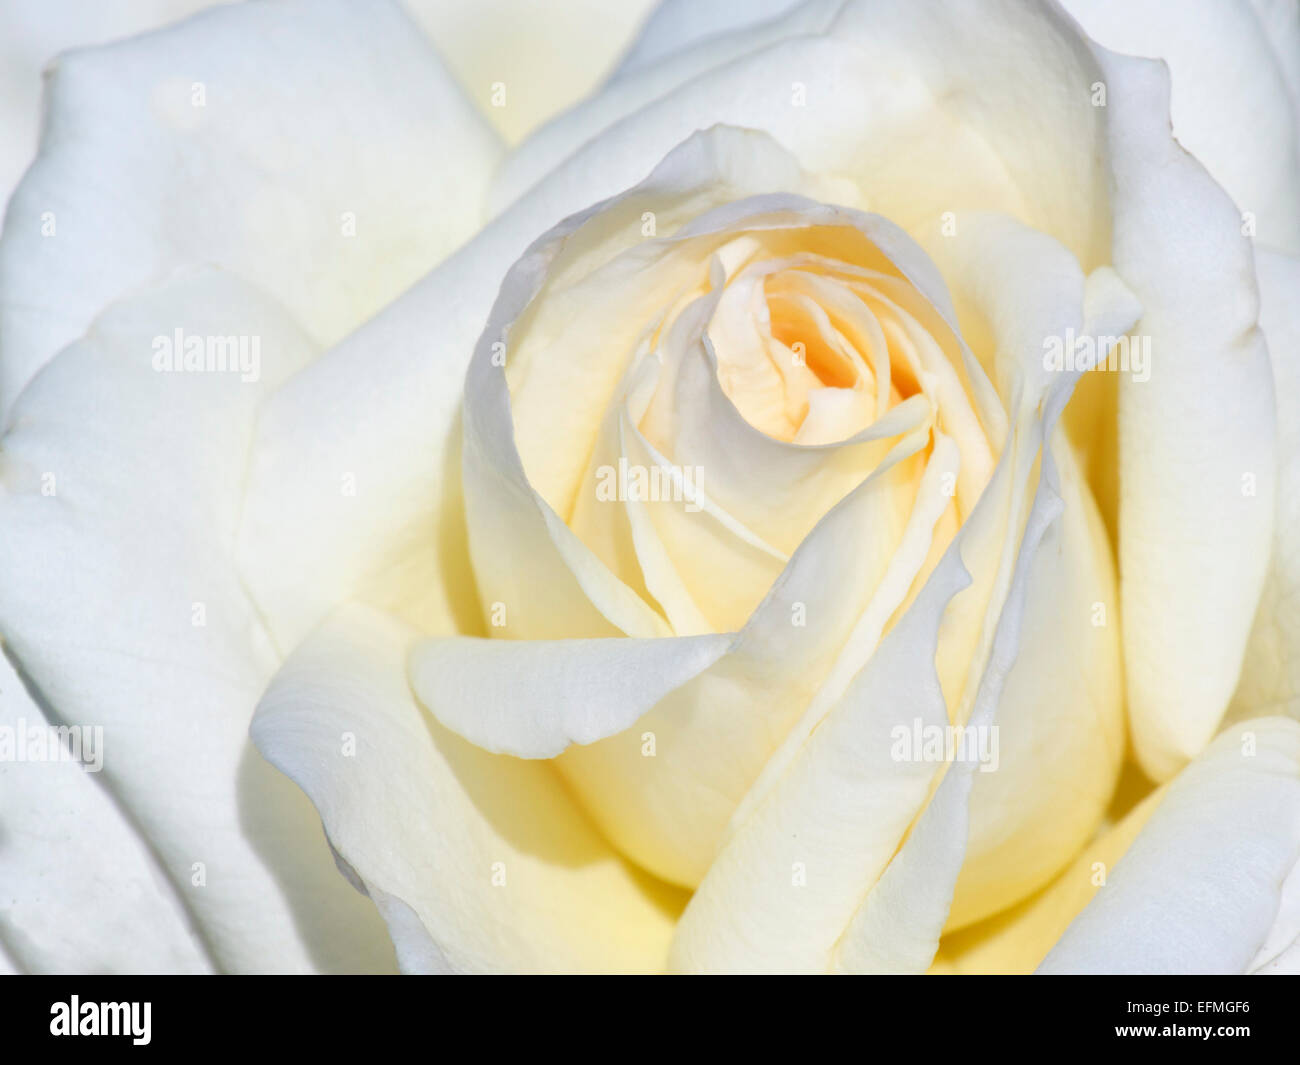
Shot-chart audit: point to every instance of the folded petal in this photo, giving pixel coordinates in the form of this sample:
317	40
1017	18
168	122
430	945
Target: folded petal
717	732
676	25
533	698
35	32
70	851
920	106
523	62
1280	20
743	33
1016	940
897	925
784	893
1247	138
478	862
1270	674
1196	439
372	509
1018	294
219	141
1199	889
122	479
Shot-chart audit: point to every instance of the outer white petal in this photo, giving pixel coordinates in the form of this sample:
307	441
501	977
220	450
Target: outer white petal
83	891
676	25
220	141
1196	439
1017	939
630	91
1270	674
1280	952
479	862
923	105
36	31
1232	106
1199	889
1281	22
119	597
522	62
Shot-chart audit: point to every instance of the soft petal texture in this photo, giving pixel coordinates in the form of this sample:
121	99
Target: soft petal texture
533	698
897	926
676	25
1280	952
394	442
922	105
119	597
1270	675
493	440
1280	20
1188	436
83	891
1060	713
718	732
752	912
398	540
35	32
390	478
1197	446
1231	104
544	57
630	91
1199	890
267	178
371	509
716	735
480	862
1017	940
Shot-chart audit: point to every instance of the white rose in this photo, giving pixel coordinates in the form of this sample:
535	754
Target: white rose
623	644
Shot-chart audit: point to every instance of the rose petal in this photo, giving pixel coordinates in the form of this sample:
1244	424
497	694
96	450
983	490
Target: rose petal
492	865
783	889
392	407
1060	714
522	62
677	25
719	730
265	175
921	108
69	850
119	596
1017	940
1249	138
1198	891
633	87
1270	673
35	32
1196	439
1281	22
533	698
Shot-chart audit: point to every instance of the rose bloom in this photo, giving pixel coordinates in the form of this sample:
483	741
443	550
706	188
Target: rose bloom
823	502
